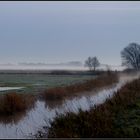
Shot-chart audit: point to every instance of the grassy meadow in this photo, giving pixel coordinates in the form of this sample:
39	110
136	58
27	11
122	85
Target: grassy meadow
35	82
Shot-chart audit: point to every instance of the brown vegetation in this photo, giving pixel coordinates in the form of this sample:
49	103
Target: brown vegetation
12	103
117	117
60	93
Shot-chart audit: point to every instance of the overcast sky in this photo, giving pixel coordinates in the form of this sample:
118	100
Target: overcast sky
52	32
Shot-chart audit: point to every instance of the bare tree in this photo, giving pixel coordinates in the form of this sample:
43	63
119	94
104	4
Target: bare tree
92	63
88	63
131	56
95	62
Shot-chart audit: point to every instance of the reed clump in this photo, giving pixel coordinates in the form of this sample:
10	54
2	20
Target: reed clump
12	103
59	93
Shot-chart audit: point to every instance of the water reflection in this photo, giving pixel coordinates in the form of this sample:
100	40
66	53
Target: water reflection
53	104
13	119
9	88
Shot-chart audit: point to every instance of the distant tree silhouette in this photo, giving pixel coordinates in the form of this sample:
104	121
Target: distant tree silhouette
108	69
92	63
131	56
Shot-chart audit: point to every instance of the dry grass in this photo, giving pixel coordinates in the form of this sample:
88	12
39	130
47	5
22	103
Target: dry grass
117	117
60	93
12	103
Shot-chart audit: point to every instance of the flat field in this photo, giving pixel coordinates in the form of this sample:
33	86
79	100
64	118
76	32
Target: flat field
35	82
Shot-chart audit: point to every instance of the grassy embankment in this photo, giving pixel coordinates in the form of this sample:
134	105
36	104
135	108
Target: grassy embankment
60	93
117	117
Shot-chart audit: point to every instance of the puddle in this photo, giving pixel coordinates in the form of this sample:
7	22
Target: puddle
9	88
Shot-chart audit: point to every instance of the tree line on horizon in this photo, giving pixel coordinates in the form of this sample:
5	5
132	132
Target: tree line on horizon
130	58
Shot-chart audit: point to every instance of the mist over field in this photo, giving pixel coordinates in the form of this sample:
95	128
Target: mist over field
59	66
